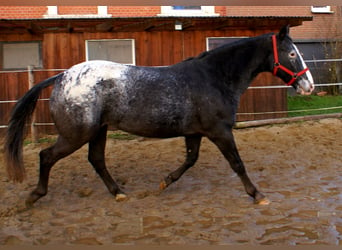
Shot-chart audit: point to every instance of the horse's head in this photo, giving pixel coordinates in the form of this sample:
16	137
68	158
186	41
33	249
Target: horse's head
288	64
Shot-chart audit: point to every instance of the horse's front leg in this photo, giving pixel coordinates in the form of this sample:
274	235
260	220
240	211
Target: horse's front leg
192	143
224	140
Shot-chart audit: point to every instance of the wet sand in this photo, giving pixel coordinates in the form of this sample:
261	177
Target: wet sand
297	166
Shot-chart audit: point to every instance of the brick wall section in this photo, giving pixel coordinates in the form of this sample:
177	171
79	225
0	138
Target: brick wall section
133	11
22	11
116	11
77	10
268	11
323	25
221	10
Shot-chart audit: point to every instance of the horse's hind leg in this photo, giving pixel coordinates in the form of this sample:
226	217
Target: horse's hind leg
192	143
96	157
48	157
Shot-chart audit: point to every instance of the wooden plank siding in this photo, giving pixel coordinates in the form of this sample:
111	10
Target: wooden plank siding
61	50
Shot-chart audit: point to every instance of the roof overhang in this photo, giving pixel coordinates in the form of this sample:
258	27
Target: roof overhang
136	24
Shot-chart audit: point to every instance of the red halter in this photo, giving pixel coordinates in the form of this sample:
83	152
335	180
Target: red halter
277	64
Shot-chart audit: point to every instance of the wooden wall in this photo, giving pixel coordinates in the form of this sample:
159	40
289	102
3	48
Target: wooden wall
63	49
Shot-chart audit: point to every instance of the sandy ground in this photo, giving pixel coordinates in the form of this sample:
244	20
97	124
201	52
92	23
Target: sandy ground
298	166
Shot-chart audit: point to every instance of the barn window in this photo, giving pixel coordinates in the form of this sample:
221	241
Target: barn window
52	10
186	8
116	50
214	42
19	55
188	11
76	12
321	9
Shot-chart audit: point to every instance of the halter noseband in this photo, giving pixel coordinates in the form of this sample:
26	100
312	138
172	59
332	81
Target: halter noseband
277	64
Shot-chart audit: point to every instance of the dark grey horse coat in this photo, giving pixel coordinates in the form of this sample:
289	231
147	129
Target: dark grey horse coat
194	98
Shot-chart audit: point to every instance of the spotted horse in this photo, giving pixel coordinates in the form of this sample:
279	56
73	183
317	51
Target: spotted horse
194	98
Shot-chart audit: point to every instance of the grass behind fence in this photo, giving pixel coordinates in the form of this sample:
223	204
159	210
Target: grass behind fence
313	102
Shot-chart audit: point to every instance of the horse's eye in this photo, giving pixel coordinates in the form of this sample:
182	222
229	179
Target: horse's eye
292	54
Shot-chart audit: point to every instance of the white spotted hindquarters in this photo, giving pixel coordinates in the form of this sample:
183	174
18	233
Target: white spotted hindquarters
77	100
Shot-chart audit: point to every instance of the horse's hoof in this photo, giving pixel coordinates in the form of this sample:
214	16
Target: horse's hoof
162	185
29	204
120	197
264	201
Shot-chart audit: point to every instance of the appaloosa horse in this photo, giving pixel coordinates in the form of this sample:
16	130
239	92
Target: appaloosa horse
194	98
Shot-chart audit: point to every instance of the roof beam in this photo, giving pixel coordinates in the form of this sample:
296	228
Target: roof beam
34	28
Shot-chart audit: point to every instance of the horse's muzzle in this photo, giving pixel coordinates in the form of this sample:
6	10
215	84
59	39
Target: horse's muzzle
305	87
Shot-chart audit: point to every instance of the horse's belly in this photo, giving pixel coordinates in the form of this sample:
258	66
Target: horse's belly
145	123
153	132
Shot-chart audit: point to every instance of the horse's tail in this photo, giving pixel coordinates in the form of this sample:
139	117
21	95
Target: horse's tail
21	113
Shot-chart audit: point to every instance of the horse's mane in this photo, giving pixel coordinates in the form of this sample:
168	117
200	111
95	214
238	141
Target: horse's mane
226	46
203	54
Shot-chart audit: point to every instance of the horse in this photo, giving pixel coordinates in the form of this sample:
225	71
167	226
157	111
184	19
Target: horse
193	98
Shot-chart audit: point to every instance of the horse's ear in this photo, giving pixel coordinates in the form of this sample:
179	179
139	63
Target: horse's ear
284	31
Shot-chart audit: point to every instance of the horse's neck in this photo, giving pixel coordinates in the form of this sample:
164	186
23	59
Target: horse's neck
241	64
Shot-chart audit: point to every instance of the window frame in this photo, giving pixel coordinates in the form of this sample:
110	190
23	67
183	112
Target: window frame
108	40
222	37
52	12
321	9
204	11
40	55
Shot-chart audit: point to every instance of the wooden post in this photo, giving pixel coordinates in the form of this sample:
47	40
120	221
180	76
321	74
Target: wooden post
257	123
34	133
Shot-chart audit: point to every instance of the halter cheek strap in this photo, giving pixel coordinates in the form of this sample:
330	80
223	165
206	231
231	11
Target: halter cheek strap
278	66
